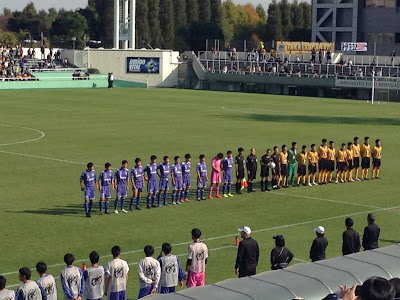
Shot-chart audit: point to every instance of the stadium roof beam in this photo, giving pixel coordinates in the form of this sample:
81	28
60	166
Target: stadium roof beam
124	23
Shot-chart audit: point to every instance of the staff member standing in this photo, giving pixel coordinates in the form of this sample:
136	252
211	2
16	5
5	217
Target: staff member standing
292	153
248	254
371	234
280	256
319	245
351	239
251	165
239	168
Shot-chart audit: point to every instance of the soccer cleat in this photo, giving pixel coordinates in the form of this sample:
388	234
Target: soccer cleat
138	208
218	196
186	200
107	213
336	182
202	198
166	204
148	206
372	178
358	179
210	197
116	211
88	216
366	178
101	213
159	205
179	202
225	196
198	199
342	181
123	210
173	202
314	183
309	184
230	195
154	206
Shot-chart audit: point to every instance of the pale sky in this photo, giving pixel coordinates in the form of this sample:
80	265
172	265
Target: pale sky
73	4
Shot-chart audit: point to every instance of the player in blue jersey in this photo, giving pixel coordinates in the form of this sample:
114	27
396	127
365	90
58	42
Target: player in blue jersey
88	184
137	180
202	177
186	177
105	183
163	173
151	178
177	181
121	184
227	165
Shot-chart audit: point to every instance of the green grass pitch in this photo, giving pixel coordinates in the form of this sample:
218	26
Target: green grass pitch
42	215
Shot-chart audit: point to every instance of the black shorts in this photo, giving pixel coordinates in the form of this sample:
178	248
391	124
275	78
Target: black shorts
356	163
323	164
264	171
312	169
240	174
284	170
350	165
331	166
365	162
251	175
376	162
302	170
277	170
342	166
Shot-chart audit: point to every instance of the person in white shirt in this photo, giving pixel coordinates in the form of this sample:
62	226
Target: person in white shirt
196	261
72	279
4	293
46	282
116	273
94	278
149	273
28	290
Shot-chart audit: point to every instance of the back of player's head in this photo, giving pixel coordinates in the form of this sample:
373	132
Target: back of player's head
176	158
396	284
366	138
240	149
377	288
149	250
331	142
188	156
124	162
25	272
3	282
294	144
153	157
283	147
220	155
166	248
371	217
312	145
201	156
41	267
356	138
228	152
324	140
165	158
196	233
377	141
279	241
349	144
137	160
94	257
69	259
116	251
107	165
89	165
349	222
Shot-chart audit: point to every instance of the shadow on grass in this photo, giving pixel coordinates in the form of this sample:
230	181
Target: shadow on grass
315	119
390	241
67	210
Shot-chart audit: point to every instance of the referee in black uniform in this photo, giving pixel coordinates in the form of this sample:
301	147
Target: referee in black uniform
248	254
251	165
239	167
276	172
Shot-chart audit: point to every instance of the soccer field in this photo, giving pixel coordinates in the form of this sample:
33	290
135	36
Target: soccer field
47	137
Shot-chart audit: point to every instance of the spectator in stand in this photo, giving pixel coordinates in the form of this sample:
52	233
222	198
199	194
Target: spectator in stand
320	56
42	51
318	247
328	57
392	56
248	254
280	256
371	234
351	239
396	284
313	54
375	288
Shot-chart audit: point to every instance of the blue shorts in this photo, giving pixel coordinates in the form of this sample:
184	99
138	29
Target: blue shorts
117	295
89	193
187	182
121	191
178	184
167	290
228	177
105	192
145	291
152	187
203	183
139	185
164	184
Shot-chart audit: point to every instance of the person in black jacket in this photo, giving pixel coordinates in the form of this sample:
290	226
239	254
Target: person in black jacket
319	245
251	166
280	256
248	254
371	234
351	239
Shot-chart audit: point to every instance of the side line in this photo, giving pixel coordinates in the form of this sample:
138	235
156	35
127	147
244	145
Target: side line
235	234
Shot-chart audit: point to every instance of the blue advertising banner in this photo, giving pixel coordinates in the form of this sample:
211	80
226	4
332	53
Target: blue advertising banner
143	65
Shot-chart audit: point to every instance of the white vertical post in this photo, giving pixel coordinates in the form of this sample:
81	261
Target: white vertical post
373	87
116	24
133	25
125	21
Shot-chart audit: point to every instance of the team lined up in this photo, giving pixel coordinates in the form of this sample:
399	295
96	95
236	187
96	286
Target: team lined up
283	167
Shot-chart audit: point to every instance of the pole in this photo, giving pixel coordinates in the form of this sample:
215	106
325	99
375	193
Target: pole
116	24
133	24
373	87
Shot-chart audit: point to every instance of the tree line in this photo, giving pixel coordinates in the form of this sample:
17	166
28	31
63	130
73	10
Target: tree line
172	24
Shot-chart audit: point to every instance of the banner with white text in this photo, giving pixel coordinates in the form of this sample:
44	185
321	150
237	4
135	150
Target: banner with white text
143	65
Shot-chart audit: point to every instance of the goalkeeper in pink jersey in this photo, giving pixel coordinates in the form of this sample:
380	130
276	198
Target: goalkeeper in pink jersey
215	175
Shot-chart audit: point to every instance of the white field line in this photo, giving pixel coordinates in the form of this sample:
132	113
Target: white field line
42	135
135	262
235	234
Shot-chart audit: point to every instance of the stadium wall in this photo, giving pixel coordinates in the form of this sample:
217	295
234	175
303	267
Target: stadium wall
115	61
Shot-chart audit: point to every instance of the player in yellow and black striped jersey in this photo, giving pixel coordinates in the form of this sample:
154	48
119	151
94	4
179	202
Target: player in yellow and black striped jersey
302	167
350	162
331	160
376	159
356	157
341	159
365	152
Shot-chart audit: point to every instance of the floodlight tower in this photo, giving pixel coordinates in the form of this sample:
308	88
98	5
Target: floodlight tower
124	23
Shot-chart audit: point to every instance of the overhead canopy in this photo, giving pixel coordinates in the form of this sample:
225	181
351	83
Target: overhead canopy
311	281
